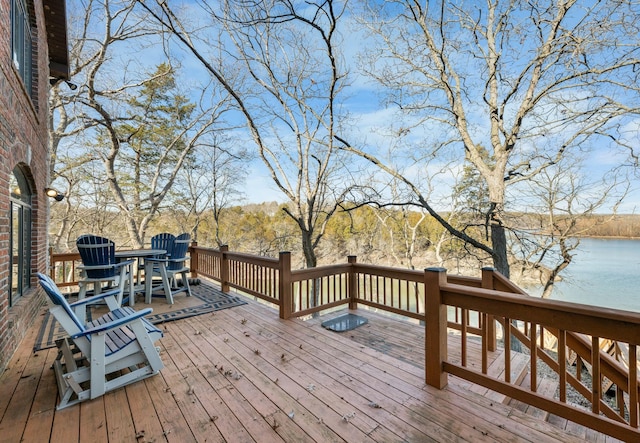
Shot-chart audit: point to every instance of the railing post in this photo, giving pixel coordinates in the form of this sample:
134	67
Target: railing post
352	283
436	328
487	283
193	259
284	286
52	265
224	269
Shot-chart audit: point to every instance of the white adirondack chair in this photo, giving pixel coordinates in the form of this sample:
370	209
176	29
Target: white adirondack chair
105	354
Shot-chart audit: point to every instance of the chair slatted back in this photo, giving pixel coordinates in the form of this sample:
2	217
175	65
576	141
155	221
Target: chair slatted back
178	252
97	251
163	241
52	291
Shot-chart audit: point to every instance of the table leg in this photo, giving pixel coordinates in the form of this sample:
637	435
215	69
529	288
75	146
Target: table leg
148	276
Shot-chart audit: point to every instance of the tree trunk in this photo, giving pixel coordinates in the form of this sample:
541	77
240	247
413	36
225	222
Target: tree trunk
311	261
310	258
499	239
499	246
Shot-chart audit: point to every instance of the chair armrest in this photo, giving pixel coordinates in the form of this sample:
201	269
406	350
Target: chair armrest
94	298
167	260
111	266
156	260
114	324
94	267
124	263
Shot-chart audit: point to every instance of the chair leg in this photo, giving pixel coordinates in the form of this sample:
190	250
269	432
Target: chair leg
81	311
83	290
152	354
97	368
148	279
132	290
126	278
122	279
185	282
165	283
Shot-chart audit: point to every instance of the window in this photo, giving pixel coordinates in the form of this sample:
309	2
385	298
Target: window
20	235
21	41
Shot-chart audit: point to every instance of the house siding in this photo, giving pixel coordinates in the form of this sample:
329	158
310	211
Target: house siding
23	141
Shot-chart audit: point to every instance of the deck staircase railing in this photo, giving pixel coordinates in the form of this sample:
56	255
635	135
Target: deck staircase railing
578	329
566	337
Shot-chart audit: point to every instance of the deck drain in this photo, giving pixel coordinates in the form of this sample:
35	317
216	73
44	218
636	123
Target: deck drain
345	322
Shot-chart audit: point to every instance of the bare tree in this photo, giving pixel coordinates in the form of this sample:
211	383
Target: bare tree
288	96
526	82
210	184
403	231
135	123
561	205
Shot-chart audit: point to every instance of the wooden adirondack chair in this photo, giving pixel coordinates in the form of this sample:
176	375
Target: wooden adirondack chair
159	241
169	267
163	241
99	265
105	354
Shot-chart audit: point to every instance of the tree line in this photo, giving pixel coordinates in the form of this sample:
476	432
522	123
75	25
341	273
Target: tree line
390	237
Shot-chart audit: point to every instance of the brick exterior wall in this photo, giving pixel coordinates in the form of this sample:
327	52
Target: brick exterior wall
23	141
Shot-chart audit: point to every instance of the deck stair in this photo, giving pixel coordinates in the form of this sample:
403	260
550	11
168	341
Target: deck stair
520	375
396	338
547	387
519	371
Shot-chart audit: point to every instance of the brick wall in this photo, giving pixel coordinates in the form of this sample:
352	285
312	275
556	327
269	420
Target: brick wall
23	141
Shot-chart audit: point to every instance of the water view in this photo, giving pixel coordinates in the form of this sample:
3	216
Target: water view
604	273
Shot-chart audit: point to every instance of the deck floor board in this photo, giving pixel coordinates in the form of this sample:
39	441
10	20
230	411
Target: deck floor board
244	375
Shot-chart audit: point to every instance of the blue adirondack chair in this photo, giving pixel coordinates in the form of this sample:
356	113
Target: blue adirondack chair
105	354
99	265
162	241
169	267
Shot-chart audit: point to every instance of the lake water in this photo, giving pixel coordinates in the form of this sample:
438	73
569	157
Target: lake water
603	273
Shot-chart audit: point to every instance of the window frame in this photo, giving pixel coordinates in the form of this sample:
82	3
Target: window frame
21	219
22	42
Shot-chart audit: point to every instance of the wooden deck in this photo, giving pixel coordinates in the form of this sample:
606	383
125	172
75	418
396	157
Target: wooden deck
244	375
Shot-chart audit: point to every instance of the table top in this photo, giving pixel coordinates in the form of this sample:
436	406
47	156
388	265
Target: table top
132	253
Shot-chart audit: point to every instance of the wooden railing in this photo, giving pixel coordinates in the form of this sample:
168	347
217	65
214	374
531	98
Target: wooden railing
62	268
478	308
578	328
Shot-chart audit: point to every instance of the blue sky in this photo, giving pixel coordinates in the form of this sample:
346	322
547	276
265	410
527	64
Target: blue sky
370	124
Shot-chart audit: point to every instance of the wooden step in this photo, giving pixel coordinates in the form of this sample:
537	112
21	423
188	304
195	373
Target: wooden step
519	369
547	387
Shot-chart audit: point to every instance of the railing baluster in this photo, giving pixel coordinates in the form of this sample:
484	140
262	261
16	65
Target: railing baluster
620	402
507	349
384	291
596	380
533	362
406	295
335	292
562	364
463	345
633	385
485	349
